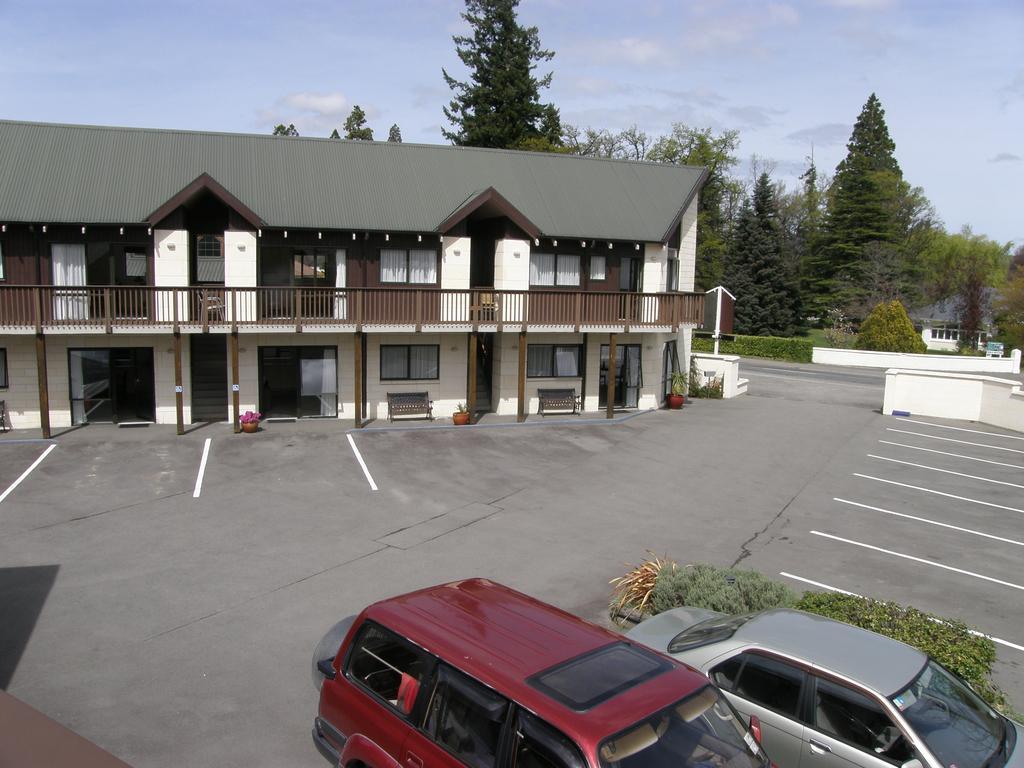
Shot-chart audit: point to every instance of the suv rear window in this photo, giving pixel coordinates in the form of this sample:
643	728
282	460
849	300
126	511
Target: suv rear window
585	681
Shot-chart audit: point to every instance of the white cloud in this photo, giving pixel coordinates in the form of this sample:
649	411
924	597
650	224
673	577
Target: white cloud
638	50
312	113
825	134
862	5
318	103
1006	157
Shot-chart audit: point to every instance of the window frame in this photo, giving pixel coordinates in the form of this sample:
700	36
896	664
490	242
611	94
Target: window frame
5	375
551	361
408	270
604	268
194	258
426	692
557	256
801	714
3	264
814	678
443	670
408	359
672	271
524	722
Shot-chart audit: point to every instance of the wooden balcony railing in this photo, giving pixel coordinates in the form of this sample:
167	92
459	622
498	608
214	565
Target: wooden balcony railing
110	307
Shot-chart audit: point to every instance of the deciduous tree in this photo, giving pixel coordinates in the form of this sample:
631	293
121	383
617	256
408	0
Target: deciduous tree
500	106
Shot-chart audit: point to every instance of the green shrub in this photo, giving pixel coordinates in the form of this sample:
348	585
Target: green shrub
888	329
697	385
948	641
775	347
720	589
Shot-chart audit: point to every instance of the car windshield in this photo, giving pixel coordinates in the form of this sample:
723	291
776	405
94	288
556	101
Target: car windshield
960	729
701	730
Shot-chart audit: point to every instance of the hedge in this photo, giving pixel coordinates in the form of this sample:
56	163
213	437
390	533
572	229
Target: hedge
718	589
774	347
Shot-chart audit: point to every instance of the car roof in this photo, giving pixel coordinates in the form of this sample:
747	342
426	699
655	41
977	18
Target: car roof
502	637
878	662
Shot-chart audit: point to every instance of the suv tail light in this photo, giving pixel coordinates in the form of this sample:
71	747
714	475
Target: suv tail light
755	728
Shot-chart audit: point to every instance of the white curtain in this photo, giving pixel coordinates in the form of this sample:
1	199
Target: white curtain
2	277
568	270
69	269
597	268
423	362
340	276
392	266
567	361
393	362
542	269
320	379
422	267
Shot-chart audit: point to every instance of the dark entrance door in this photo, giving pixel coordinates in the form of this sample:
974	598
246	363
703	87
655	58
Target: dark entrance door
628	376
111	385
297	382
484	372
209	356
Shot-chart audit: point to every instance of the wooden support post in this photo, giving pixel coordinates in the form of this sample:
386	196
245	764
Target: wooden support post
583	374
610	405
358	359
44	387
179	408
521	412
471	388
234	382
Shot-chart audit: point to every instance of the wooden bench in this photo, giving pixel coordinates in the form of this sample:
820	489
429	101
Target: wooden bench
410	404
557	399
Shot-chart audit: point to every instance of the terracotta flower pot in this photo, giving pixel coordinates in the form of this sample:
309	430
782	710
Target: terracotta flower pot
250	426
675	402
460	418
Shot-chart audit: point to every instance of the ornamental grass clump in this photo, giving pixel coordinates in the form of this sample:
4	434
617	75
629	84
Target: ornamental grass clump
727	590
632	592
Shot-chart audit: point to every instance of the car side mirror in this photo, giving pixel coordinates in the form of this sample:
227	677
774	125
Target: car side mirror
912	763
326	668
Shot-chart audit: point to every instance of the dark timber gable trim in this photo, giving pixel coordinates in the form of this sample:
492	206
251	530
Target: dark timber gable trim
207	182
497	200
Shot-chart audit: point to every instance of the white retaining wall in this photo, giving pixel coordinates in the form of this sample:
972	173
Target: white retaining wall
726	366
957	363
999	402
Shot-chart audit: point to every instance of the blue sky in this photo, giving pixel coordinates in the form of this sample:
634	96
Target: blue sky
785	74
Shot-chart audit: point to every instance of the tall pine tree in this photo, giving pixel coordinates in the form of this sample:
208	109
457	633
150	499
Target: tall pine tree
765	286
356	127
862	203
500	104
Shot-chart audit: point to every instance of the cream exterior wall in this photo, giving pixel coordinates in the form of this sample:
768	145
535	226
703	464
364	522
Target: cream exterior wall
455	262
170	261
688	247
655	268
512	265
447	391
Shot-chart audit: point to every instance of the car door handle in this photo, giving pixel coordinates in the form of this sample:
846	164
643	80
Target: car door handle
413	761
818	748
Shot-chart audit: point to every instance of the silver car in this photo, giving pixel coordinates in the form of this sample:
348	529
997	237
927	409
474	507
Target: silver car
824	694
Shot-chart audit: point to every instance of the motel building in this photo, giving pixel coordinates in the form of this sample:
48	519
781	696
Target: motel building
176	277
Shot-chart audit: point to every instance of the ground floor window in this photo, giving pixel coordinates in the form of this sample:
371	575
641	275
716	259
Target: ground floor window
628	373
553	360
298	382
3	369
402	362
669	366
111	385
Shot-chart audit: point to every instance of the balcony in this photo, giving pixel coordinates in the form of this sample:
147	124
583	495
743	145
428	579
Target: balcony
145	308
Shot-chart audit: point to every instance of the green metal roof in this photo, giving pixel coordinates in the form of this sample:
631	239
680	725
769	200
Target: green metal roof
92	175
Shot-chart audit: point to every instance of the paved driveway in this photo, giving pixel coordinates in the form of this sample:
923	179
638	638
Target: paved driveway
172	621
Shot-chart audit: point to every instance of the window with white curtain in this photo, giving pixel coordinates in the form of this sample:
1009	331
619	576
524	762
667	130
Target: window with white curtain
598	268
672	279
553	360
3	272
554	269
401	362
416	266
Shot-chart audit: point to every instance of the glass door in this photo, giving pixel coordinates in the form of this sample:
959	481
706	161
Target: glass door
131	375
298	382
628	374
91	392
111	385
318	393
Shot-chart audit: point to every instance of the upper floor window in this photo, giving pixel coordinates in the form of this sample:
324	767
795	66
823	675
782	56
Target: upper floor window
672	277
3	271
561	269
398	265
598	268
209	261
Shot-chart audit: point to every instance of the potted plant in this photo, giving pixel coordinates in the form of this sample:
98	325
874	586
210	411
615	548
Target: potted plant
677	396
461	415
250	421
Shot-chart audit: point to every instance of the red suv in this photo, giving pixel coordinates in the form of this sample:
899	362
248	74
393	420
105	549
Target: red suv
475	674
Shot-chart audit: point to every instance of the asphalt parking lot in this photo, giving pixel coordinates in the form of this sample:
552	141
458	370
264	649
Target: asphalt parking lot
171	621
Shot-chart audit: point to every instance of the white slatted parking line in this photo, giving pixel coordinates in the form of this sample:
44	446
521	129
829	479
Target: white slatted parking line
27	472
830	588
938	493
931	522
202	469
945	471
953	440
964	429
921	560
954	455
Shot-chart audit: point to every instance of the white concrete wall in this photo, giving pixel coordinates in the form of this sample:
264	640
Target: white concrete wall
446	392
725	366
512	265
239	259
170	269
455	262
655	268
999	402
962	363
688	247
